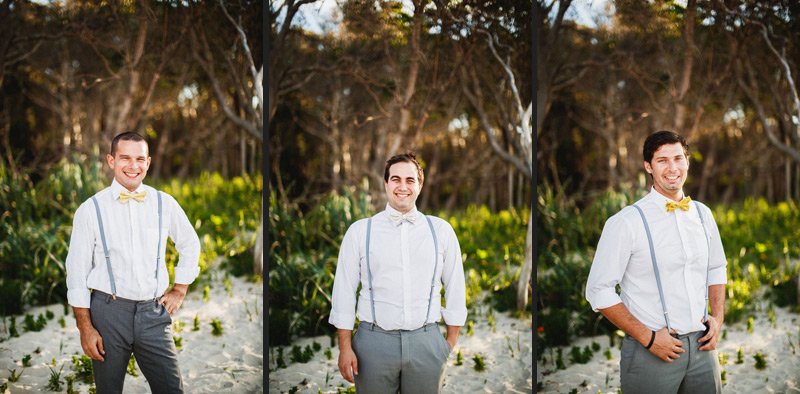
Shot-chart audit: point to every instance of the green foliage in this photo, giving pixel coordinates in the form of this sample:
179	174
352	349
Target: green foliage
739	356
178	341
12	328
62	322
480	365
607	353
328	354
196	323
206	291
29	324
132	367
70	380
83	368
301	355
54	383
26	360
723	358
459	358
37	223
578	356
761	362
13	377
280	362
216	327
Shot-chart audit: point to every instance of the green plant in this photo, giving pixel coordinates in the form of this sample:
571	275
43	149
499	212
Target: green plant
723	358
70	379
228	288
178	325
750	325
607	353
723	375
560	360
26	360
216	327
470	328
480	365
328	354
12	328
300	355
280	362
196	324
83	368
54	383
761	361
206	291
62	322
13	377
132	367
739	356
178	341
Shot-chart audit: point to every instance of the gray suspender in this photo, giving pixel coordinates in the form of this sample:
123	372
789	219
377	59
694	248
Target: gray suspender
655	266
108	257
433	278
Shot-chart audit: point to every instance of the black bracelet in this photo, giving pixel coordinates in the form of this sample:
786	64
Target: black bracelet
652	339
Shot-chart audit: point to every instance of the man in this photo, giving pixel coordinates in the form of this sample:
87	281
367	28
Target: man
666	255
116	275
400	257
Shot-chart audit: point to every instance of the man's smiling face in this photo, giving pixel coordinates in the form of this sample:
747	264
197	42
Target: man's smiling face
403	186
669	168
130	163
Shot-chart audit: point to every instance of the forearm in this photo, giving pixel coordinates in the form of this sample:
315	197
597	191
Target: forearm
83	318
345	337
622	318
452	333
716	297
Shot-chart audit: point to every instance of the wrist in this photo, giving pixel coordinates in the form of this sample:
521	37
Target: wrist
652	340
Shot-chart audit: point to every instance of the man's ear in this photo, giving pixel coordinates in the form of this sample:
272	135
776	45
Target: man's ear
648	168
110	161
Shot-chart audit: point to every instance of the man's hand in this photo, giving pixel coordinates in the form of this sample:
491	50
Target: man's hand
666	347
173	299
712	337
348	364
91	341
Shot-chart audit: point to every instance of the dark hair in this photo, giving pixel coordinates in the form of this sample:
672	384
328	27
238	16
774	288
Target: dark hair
126	136
659	138
407	157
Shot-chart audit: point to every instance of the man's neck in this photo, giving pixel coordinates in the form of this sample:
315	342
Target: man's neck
676	196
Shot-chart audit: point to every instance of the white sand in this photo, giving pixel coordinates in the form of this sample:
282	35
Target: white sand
782	374
232	362
506	353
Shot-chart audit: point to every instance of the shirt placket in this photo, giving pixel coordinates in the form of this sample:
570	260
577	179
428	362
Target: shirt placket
135	231
688	256
405	263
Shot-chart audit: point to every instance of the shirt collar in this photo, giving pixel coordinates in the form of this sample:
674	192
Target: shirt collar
389	210
117	188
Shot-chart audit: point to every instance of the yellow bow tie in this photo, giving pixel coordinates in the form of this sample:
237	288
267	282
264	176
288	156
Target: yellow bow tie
124	197
684	204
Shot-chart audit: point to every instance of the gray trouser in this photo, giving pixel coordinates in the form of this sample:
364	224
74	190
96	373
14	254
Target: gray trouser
143	328
408	361
695	371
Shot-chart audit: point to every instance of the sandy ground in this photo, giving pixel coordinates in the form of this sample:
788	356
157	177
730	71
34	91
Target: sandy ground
506	352
232	362
779	343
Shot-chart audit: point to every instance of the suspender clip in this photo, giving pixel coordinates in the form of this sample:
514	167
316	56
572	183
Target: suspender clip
114	296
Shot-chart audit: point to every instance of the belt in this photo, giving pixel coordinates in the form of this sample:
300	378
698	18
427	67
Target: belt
118	298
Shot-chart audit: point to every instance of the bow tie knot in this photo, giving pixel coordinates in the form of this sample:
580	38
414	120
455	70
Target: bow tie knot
124	197
398	218
683	204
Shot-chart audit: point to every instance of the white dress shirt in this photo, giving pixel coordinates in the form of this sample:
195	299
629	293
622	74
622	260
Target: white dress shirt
131	232
401	261
623	257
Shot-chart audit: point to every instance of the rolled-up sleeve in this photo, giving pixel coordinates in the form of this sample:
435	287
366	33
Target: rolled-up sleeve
345	282
609	264
717	273
79	257
455	293
186	243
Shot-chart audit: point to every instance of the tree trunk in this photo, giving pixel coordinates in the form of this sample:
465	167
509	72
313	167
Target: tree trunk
523	283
